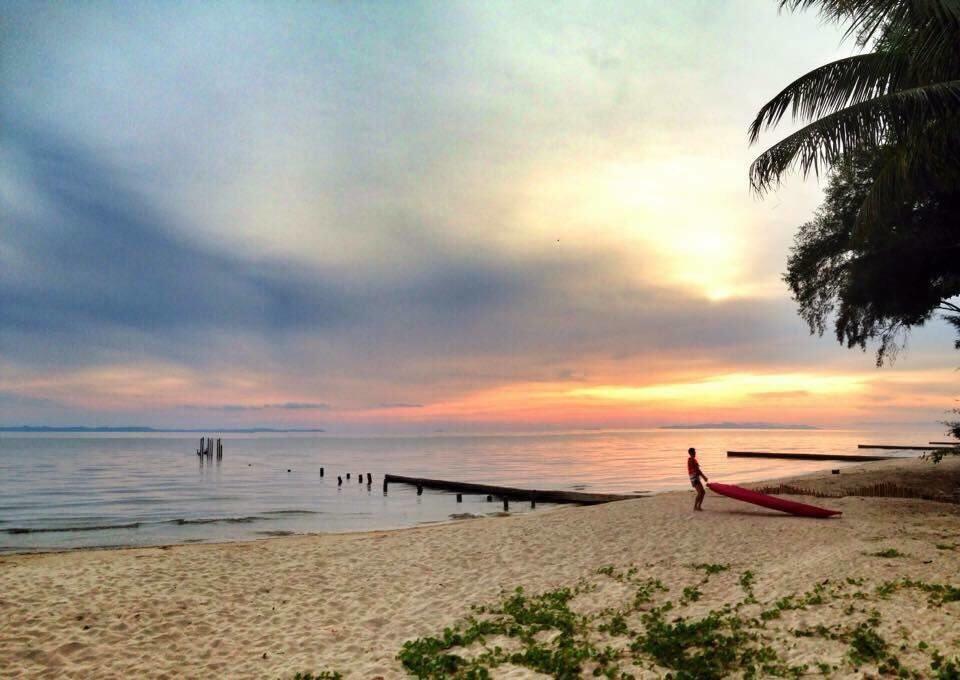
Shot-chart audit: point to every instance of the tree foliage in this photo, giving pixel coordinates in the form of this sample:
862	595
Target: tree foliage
880	255
879	284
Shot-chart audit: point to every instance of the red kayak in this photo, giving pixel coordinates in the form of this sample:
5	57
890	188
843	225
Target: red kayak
772	502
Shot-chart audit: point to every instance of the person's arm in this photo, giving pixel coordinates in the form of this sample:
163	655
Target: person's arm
700	472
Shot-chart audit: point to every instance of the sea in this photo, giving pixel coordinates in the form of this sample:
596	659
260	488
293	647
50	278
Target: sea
66	491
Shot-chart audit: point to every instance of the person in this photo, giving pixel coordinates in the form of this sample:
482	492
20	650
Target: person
693	469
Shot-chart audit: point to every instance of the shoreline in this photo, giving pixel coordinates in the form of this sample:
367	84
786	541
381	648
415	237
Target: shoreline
451	520
348	602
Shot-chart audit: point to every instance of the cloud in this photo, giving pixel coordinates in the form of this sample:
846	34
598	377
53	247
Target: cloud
397	405
286	406
319	207
781	394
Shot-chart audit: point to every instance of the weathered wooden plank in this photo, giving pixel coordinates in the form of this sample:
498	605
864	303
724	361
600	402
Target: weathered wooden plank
508	492
806	456
897	447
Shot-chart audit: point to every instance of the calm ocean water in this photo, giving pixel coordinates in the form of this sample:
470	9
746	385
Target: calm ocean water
69	491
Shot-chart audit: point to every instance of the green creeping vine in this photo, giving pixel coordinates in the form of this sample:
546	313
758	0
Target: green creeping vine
546	633
937	593
889	552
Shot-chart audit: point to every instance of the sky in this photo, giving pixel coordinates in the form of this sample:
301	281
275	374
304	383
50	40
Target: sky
411	217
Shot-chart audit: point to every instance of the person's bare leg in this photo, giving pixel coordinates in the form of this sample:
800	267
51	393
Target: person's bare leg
700	494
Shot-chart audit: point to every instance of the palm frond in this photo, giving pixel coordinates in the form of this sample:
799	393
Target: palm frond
924	163
868	19
834	86
823	142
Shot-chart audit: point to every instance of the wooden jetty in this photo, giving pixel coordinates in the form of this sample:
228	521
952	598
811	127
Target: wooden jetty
897	447
857	458
507	493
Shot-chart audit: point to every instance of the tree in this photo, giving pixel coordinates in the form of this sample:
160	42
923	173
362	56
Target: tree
882	254
904	96
878	284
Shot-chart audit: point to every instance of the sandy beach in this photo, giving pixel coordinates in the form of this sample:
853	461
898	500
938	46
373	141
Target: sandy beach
347	603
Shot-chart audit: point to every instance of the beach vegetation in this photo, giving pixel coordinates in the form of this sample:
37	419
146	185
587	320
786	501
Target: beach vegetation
710	569
866	644
690	594
746	581
322	675
888	552
937	593
943	668
825	668
552	634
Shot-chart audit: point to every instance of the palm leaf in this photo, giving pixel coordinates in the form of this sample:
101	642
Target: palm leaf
910	169
870	18
834	86
868	123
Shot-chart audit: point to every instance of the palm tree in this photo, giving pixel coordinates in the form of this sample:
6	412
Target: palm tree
900	101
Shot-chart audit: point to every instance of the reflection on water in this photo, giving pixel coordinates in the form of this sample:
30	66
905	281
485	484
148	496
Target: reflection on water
71	491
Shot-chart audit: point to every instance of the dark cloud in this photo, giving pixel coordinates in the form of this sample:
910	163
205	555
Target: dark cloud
104	256
285	406
100	263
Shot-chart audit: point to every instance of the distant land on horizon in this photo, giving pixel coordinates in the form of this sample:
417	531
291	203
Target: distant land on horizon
137	428
738	426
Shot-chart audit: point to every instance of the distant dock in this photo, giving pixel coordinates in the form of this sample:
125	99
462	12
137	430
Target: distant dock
857	458
898	447
509	493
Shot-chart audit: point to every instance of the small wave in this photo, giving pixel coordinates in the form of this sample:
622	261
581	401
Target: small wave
42	530
291	512
215	520
276	532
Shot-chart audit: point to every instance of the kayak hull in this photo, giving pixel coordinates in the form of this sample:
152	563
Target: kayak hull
772	502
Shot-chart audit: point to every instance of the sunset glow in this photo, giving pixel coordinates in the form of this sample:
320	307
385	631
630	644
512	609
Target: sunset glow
478	216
